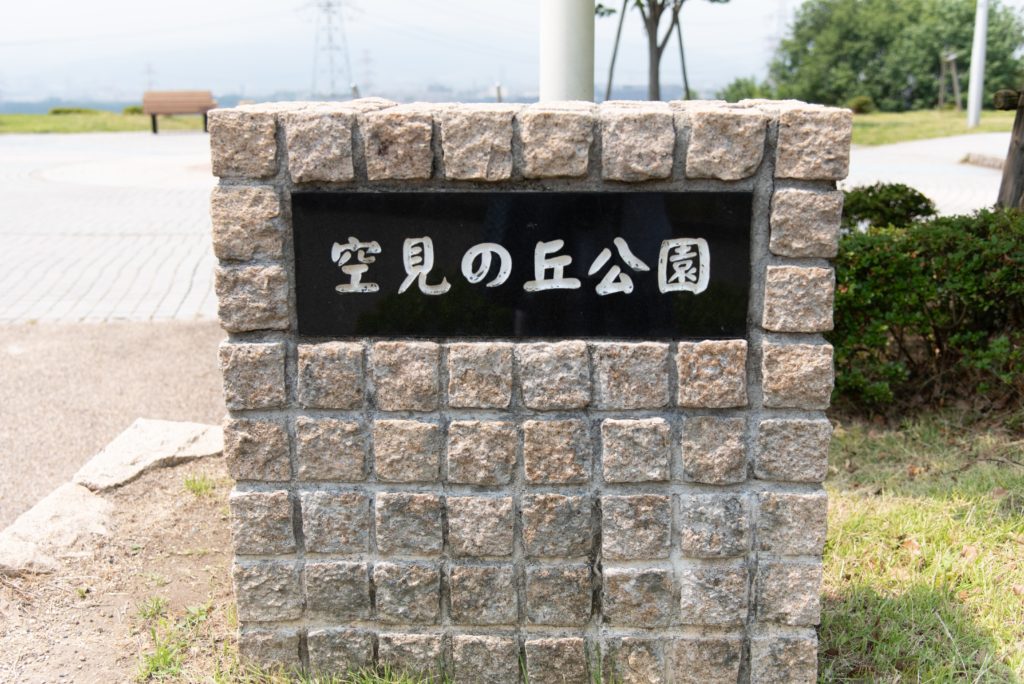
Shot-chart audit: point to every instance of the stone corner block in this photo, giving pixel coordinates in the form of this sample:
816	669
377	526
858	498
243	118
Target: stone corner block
784	659
397	142
797	375
805	223
788	593
637	142
267	591
726	143
244	223
792	450
798	299
319	145
712	374
253	375
556	139
330	375
252	297
814	143
261	523
476	142
256	450
405	375
270	649
792	524
243	143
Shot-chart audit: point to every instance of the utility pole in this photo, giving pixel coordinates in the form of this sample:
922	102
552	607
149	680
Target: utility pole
567	50
977	83
330	39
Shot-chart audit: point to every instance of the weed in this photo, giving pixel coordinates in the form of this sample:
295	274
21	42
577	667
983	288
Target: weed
200	485
152	608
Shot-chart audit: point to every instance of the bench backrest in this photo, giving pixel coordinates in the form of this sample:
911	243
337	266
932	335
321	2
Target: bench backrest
177	101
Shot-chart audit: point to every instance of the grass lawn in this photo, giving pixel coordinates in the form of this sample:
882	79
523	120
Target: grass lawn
924	565
94	122
882	128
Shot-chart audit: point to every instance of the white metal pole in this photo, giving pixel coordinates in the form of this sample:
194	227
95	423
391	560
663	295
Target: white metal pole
977	83
566	50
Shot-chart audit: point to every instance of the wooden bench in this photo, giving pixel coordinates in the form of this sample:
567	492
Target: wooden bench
177	102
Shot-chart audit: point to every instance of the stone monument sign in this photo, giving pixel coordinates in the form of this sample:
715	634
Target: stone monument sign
529	388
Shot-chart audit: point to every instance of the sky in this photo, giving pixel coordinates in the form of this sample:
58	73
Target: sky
115	49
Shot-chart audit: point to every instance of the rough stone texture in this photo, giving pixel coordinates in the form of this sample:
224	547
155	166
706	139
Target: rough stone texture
798	299
483	595
408	524
555	525
805	223
267	590
635	527
485	659
556	661
406	451
405	375
556	139
714	525
334	649
269	648
792	450
256	450
412	653
335	522
244	223
714	449
554	375
790	524
243	144
797	375
634	661
337	590
330	449
253	375
713	594
481	452
725	143
261	523
319	145
637	141
635	597
705	660
630	376
252	297
407	593
476	141
636	450
556	451
712	374
480	526
784	660
558	595
330	375
789	593
479	375
396	142
814	143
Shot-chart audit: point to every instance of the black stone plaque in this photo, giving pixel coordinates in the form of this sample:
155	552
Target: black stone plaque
522	264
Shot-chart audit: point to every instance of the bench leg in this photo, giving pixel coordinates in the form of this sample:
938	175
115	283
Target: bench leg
152	118
204	123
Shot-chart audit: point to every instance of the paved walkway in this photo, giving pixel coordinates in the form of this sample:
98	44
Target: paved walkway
934	167
105	226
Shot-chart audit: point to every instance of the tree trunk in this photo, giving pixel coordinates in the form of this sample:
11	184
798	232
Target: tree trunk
651	21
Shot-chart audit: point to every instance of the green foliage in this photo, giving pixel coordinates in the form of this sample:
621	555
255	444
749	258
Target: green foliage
132	109
60	111
932	313
889	50
861	104
152	608
200	484
744	89
885	204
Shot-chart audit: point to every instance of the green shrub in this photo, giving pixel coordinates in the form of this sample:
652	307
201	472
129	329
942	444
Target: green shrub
132	109
744	89
73	110
861	104
885	204
931	313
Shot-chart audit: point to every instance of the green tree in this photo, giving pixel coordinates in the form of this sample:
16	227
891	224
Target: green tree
653	12
890	50
744	89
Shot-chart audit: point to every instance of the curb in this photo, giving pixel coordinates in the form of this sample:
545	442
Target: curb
39	537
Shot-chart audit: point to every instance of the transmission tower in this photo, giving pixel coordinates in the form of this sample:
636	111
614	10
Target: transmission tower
330	39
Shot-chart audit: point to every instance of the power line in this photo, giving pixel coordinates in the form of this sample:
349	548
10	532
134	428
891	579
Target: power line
330	38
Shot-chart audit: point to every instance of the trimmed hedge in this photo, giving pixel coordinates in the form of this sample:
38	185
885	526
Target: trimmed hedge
931	313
